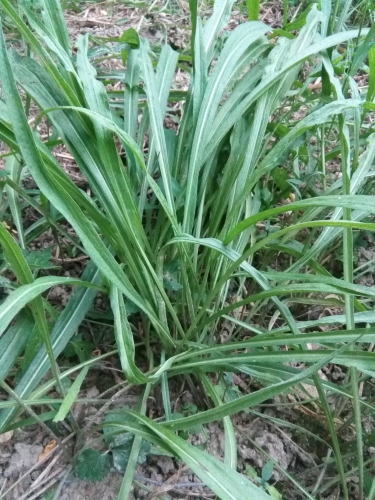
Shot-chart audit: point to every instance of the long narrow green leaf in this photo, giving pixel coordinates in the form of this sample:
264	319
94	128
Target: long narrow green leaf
371	84
156	119
348	247
65	204
65	326
15	257
125	340
227	66
318	117
164	76
13	342
366	335
224	123
71	396
18	299
230	457
212	27
247	401
225	482
357	359
359	202
14	168
53	17
257	276
39	49
253	8
193	5
43	31
95	95
133	457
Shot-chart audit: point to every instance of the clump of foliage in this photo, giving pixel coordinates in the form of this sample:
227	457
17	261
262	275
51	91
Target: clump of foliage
184	235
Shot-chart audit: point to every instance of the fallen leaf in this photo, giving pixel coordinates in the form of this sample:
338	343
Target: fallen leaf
47	449
7	436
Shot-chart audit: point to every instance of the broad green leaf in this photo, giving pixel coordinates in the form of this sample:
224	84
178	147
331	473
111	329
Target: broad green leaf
131	37
92	465
121	455
39	259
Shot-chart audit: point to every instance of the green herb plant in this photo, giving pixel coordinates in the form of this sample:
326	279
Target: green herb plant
182	226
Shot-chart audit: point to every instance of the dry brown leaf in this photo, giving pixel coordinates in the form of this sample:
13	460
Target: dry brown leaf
47	449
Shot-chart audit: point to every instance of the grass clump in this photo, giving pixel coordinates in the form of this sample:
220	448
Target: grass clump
205	208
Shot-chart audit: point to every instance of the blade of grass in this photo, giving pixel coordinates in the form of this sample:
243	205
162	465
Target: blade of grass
53	17
371	83
225	482
66	205
71	396
253	9
38	48
124	339
230	450
133	457
13	342
249	400
26	293
223	123
19	298
349	304
66	325
14	167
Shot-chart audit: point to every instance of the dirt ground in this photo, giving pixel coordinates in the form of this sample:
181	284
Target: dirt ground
260	434
19	459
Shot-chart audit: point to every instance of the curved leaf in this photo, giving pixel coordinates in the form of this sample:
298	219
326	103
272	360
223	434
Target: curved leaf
222	480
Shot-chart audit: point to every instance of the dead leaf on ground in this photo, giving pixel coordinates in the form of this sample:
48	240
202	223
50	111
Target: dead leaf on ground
47	449
7	436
